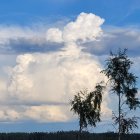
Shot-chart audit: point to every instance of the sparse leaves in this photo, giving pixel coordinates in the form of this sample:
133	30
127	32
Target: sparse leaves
123	83
87	106
127	124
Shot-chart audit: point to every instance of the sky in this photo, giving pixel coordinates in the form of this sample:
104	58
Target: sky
51	49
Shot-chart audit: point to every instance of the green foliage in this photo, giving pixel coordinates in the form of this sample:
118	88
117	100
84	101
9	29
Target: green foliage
121	79
123	83
79	107
87	106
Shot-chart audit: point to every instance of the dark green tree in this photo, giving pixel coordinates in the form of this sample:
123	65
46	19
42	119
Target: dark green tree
123	82
87	106
78	107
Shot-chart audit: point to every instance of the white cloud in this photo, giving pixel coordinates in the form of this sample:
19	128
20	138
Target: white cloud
46	114
17	39
9	114
42	84
85	28
55	35
54	77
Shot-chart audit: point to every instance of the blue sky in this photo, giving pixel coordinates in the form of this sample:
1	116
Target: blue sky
26	12
48	46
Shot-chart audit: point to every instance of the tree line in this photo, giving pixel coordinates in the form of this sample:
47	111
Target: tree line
71	135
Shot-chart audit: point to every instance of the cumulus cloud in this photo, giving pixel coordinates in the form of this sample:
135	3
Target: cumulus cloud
65	60
85	30
55	35
55	64
85	27
17	39
54	77
42	81
45	82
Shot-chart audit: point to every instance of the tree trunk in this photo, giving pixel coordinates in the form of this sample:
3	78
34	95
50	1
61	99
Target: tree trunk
80	129
119	137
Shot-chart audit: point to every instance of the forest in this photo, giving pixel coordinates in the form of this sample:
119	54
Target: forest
72	135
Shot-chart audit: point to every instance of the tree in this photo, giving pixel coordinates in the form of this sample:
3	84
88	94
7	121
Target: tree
87	106
123	83
127	124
